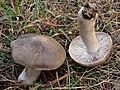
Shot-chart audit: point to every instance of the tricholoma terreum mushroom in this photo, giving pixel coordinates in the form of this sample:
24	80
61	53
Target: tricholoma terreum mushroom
36	53
90	48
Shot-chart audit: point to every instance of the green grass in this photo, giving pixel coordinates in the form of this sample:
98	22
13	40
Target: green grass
58	19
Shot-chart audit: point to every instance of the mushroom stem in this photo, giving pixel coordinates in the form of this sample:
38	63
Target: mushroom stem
86	28
28	76
89	38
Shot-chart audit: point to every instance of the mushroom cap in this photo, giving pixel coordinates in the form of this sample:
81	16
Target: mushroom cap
38	52
78	50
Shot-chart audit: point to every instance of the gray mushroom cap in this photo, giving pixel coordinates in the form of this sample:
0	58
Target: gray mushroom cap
38	52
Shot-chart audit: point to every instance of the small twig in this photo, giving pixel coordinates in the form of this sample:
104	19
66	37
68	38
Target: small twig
5	36
115	31
41	22
57	79
81	87
54	81
80	77
5	79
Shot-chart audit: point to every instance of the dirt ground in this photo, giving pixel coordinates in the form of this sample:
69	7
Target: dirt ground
58	19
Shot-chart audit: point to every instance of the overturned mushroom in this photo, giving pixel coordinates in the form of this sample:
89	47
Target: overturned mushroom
36	53
90	48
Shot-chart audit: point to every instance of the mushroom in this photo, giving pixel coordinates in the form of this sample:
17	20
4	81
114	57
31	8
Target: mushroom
36	53
90	48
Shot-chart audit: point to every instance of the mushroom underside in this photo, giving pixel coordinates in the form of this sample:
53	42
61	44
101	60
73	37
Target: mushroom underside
78	50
